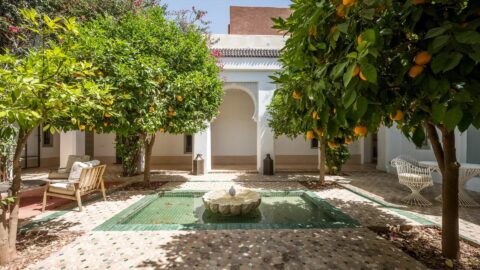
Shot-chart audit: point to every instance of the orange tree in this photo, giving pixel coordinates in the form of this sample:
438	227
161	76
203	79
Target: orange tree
417	65
165	79
44	85
317	94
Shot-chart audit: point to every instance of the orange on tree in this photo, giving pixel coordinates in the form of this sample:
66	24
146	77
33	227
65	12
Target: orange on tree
356	71
151	109
179	98
362	77
107	115
319	131
315	115
333	29
360	130
348	3
423	58
415	71
340	11
359	39
296	95
398	116
418	2
172	113
81	127
310	135
312	31
162	130
332	144
348	141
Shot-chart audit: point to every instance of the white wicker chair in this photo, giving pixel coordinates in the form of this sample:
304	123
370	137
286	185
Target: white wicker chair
415	177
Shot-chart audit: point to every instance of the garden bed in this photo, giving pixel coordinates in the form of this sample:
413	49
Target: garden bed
424	244
36	245
317	185
140	186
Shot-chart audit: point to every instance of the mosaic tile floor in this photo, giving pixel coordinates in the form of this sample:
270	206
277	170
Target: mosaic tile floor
249	249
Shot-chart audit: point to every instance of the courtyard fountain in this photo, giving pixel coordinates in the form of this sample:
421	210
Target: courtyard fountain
231	202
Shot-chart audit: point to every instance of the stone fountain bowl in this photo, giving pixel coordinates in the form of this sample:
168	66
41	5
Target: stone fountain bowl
221	202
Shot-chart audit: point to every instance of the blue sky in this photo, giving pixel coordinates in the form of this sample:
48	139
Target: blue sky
218	10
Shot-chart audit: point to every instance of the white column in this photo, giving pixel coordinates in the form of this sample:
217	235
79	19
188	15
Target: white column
265	136
202	144
461	145
382	145
71	143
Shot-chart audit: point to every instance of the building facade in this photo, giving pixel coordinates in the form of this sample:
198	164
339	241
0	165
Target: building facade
239	137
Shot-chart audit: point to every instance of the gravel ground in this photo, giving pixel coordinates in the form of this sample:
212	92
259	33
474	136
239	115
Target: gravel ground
34	246
424	244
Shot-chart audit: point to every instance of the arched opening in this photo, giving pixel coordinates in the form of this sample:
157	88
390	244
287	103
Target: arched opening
234	133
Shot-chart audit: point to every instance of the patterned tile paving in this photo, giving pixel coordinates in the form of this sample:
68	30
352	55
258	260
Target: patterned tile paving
232	249
250	249
385	188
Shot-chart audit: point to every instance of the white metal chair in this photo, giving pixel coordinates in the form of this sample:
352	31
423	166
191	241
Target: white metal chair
415	177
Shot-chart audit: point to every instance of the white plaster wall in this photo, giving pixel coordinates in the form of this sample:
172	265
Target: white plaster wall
234	130
104	145
71	143
50	155
297	146
165	145
169	145
301	146
354	148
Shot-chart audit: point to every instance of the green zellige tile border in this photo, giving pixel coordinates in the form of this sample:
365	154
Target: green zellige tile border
115	223
389	206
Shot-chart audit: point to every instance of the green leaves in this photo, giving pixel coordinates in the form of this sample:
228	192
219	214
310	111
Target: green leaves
435	32
445	61
453	117
439	42
438	112
468	37
369	72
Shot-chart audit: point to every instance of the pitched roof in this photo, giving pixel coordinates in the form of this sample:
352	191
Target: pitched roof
249	52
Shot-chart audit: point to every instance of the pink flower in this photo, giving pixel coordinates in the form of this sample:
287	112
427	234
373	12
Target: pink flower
216	53
200	14
137	3
13	29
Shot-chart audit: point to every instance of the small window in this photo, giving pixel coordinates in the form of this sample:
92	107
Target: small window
47	138
188	144
314	143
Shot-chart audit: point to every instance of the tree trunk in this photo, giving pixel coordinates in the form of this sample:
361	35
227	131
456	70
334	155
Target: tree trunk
449	168
148	142
322	154
9	213
450	227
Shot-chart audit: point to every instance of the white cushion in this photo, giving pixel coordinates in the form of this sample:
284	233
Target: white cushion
62	188
93	163
77	167
74	158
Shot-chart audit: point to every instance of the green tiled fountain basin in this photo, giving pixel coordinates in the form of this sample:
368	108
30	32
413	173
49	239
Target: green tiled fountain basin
184	210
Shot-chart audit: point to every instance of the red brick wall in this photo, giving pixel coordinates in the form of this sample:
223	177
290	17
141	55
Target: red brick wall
255	20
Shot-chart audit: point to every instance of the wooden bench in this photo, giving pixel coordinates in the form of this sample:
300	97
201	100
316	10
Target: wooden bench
91	180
